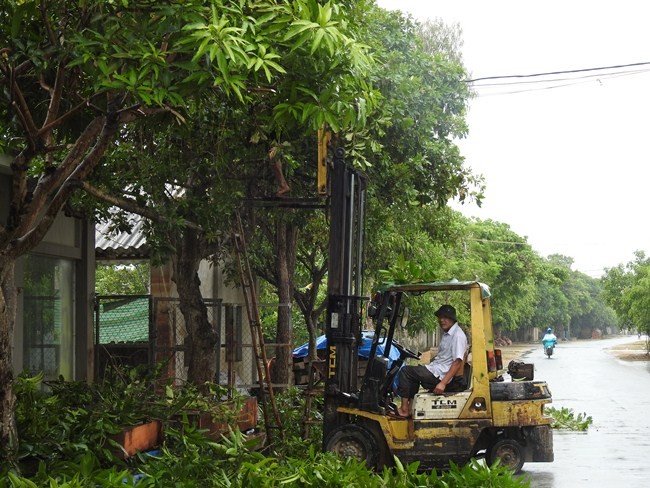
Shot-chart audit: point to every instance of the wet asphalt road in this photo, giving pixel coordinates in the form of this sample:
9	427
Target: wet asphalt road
615	451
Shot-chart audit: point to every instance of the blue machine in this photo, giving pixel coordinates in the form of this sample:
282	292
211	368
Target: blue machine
364	349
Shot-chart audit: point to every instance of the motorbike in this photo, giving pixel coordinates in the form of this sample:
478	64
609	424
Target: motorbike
549	347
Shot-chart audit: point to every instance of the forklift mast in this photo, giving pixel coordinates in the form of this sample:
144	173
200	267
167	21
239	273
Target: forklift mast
344	286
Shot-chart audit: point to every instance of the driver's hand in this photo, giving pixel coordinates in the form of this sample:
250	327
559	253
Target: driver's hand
440	388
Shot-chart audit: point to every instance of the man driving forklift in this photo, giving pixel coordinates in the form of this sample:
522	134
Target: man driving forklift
442	374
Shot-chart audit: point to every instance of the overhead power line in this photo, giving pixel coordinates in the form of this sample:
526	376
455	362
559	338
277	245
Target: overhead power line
589	77
496	241
583	70
568	82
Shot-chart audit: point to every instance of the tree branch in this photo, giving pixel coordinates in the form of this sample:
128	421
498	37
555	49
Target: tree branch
10	74
48	26
58	121
25	115
129	114
19	167
9	71
130	205
32	209
32	232
319	309
268	277
55	95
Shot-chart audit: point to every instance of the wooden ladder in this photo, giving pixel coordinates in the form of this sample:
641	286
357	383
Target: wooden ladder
310	394
257	335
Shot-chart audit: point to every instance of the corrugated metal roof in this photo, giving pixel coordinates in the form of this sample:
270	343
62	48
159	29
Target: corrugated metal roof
126	245
123	245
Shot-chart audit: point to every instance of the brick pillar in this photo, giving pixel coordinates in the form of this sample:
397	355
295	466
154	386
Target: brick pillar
162	286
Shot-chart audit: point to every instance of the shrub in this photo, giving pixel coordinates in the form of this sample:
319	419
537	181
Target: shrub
65	437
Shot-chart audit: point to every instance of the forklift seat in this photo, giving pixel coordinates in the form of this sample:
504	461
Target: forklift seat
467	375
461	382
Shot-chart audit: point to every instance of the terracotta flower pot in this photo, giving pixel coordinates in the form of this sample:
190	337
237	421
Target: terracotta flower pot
138	438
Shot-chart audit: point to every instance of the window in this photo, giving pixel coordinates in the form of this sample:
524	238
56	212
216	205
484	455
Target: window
48	305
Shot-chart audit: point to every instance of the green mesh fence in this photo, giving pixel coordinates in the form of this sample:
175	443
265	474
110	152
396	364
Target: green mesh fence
123	319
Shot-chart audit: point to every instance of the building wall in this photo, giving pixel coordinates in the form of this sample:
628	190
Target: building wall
236	369
70	245
239	368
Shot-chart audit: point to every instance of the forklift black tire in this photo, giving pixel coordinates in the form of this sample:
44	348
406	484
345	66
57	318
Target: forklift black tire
509	453
356	442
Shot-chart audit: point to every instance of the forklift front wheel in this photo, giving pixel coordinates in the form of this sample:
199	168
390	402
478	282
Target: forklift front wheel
509	453
353	441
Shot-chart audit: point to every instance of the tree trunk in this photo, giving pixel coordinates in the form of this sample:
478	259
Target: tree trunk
201	335
31	215
8	434
306	301
285	264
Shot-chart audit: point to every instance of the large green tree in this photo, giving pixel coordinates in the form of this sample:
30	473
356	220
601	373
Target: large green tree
627	291
406	146
552	308
587	307
510	266
75	76
119	279
230	153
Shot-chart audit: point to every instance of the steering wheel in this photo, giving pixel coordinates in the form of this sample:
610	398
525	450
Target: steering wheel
407	353
412	354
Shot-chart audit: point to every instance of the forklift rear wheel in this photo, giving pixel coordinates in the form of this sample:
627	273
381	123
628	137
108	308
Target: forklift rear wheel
353	441
509	452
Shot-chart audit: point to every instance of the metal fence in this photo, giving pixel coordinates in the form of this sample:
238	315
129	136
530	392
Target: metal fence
169	335
122	331
143	330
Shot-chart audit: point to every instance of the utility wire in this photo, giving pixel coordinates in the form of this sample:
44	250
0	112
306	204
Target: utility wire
501	77
551	80
569	83
497	241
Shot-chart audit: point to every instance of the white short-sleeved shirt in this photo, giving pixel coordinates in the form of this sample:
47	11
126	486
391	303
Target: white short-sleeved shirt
452	346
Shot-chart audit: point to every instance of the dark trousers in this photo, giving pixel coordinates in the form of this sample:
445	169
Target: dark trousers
411	377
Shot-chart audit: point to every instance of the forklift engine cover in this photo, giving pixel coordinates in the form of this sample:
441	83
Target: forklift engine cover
431	406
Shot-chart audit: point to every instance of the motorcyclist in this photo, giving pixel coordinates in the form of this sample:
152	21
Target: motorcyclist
549	339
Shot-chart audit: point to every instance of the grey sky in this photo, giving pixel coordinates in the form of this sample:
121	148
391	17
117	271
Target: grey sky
565	166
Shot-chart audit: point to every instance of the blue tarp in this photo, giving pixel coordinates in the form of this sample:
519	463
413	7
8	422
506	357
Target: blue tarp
364	350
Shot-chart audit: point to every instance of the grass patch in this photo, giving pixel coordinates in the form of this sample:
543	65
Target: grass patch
632	346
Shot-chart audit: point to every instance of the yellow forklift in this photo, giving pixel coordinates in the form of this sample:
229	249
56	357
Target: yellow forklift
491	418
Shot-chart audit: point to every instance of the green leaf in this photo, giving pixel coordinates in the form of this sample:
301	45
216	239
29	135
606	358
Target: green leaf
304	37
309	92
275	66
299	27
269	77
317	39
222	62
203	48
